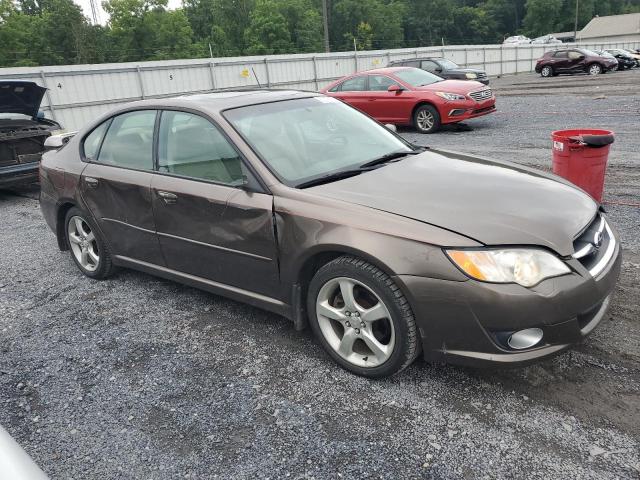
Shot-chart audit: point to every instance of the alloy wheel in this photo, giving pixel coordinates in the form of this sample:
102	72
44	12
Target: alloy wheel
425	119
83	243
355	322
546	71
595	69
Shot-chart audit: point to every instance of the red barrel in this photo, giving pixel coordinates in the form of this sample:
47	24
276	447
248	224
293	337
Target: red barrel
581	156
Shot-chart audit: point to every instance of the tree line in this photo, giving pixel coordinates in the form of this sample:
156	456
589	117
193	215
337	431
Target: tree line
54	32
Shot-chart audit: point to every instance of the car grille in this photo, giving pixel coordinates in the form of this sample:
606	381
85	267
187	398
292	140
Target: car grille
482	75
595	246
481	95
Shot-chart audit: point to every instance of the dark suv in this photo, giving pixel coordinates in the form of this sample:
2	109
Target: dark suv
575	60
443	68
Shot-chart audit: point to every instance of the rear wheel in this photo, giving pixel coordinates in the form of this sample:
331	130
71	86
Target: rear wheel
546	71
595	69
426	119
361	318
87	247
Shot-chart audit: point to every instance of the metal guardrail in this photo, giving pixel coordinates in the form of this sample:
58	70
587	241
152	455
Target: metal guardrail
149	80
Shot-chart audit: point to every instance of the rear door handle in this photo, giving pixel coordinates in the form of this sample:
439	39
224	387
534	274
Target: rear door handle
92	182
168	197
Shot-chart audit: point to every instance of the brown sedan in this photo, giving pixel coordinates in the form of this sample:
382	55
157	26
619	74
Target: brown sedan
300	204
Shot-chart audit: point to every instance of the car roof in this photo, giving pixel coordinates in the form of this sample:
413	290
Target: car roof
385	70
216	102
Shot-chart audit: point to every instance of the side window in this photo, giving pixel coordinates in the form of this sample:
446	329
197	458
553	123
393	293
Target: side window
429	66
573	55
191	146
129	141
92	142
355	84
380	83
560	54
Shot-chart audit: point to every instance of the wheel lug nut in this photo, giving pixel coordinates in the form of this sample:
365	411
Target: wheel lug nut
348	314
357	331
362	324
348	324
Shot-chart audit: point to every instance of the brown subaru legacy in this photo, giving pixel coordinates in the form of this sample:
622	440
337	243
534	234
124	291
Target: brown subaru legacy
299	204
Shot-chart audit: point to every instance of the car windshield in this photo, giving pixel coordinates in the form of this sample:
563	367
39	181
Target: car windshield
416	77
306	139
448	64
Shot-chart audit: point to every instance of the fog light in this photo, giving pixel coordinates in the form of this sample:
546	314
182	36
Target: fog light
525	338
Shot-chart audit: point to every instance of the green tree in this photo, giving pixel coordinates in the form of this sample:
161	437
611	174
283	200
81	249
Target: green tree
268	31
542	17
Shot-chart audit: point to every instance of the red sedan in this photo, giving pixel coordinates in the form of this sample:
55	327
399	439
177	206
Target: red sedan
411	96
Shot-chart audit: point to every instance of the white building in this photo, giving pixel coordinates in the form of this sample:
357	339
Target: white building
612	28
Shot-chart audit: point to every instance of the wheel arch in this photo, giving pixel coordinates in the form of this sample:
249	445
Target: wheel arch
61	214
311	263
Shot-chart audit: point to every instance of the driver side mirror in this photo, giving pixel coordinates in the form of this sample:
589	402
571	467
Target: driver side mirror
438	70
395	88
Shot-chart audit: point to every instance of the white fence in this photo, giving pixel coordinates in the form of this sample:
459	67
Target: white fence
78	93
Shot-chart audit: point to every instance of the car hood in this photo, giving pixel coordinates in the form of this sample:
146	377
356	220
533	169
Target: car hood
21	97
462	87
492	202
464	70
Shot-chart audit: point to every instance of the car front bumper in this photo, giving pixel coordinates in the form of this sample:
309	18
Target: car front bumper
468	322
457	111
19	174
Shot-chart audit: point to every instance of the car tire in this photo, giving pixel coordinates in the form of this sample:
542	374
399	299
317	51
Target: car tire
86	245
373	333
594	69
547	71
426	119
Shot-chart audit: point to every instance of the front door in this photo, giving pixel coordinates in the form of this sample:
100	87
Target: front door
386	106
116	184
576	61
208	224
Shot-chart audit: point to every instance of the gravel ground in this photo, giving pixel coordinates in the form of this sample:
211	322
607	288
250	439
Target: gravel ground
136	377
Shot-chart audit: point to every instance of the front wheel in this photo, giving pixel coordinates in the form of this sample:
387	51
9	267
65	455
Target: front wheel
88	250
546	71
361	318
595	69
426	119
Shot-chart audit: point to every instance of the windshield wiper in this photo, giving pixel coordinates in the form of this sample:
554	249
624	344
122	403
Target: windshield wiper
332	177
389	157
365	167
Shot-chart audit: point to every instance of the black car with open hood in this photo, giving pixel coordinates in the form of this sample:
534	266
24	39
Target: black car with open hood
23	131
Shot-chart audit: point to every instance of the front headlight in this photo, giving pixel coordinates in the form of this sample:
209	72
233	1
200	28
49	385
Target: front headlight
451	96
524	266
471	75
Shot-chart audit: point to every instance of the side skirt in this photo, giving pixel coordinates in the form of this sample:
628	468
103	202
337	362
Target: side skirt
235	293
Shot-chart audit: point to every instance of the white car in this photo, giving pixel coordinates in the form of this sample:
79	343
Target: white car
517	40
547	40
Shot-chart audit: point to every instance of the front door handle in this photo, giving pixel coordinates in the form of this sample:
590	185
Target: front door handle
168	197
91	182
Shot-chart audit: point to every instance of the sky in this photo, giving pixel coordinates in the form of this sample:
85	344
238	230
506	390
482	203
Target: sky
102	15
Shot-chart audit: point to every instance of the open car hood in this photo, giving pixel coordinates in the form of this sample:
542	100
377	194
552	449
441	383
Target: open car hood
20	97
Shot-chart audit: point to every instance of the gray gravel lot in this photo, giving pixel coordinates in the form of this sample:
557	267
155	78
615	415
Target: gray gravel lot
137	377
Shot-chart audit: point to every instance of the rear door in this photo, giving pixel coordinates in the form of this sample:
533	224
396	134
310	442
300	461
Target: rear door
560	61
116	183
354	92
208	224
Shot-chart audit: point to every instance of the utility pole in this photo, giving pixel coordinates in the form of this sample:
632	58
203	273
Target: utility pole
325	21
575	25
